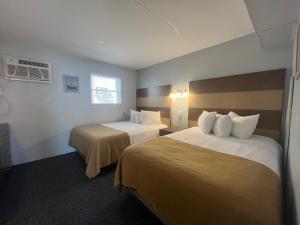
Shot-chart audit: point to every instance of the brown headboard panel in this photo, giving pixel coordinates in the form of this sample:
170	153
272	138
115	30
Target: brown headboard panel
155	99
246	94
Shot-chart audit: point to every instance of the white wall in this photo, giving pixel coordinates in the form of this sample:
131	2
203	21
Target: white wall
293	160
41	115
234	57
293	210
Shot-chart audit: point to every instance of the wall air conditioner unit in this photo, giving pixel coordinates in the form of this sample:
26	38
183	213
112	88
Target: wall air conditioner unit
23	69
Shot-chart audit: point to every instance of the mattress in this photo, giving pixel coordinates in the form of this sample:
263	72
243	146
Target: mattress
261	149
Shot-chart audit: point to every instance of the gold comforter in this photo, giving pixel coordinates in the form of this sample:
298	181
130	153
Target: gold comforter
190	185
99	145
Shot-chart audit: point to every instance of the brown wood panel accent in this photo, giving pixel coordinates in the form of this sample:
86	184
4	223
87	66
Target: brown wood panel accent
192	123
269	119
166	121
265	80
164	111
163	101
262	100
275	134
154	91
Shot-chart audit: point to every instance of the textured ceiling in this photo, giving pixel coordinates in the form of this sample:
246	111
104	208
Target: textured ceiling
274	20
136	33
140	33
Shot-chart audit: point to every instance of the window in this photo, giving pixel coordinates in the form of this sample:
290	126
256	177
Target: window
105	90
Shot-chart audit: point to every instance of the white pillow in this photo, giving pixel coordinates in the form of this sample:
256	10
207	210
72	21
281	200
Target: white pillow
223	125
206	121
233	115
150	117
133	115
138	117
243	126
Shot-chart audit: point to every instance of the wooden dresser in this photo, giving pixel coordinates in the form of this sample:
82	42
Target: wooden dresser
5	158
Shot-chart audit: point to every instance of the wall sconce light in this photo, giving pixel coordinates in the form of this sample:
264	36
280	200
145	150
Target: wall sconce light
183	93
179	99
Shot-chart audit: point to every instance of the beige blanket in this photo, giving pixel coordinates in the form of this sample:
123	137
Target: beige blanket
189	185
99	145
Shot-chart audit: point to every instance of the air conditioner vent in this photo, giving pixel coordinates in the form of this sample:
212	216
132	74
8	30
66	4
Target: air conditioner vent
31	63
35	73
11	69
22	71
27	70
45	74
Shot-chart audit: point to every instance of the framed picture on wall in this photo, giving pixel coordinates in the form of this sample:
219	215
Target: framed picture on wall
71	84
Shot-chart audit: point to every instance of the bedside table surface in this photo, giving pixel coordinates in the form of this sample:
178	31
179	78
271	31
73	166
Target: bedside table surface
166	131
173	129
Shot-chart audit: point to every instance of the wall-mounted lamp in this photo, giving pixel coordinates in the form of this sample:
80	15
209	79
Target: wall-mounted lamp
179	100
183	93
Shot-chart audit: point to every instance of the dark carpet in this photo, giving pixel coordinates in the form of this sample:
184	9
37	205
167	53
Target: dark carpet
56	191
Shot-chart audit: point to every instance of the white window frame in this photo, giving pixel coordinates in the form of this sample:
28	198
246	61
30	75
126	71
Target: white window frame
107	77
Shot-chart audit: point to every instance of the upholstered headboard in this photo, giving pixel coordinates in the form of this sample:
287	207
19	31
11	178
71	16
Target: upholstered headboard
155	99
246	94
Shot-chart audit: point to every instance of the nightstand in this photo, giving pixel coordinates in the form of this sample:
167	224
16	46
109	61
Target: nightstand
166	131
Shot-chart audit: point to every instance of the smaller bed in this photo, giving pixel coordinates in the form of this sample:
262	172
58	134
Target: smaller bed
102	144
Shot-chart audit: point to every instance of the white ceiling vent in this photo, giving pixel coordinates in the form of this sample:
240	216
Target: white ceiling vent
27	69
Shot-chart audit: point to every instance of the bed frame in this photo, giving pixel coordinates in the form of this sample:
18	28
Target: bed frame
155	99
247	94
145	203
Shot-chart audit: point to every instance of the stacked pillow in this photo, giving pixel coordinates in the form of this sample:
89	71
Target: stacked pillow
145	117
150	117
138	117
206	121
243	126
133	115
224	125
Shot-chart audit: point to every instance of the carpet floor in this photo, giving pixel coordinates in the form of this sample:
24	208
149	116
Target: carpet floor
56	191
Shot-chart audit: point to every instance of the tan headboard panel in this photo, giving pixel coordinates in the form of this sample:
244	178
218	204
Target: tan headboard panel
155	99
246	94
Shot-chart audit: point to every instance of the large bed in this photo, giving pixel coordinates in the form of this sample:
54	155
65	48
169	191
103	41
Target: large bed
194	178
102	144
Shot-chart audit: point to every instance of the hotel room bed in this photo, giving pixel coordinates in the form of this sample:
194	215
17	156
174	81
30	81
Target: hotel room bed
192	178
102	144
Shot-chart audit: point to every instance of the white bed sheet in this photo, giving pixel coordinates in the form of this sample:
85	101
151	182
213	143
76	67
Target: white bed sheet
258	148
137	132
